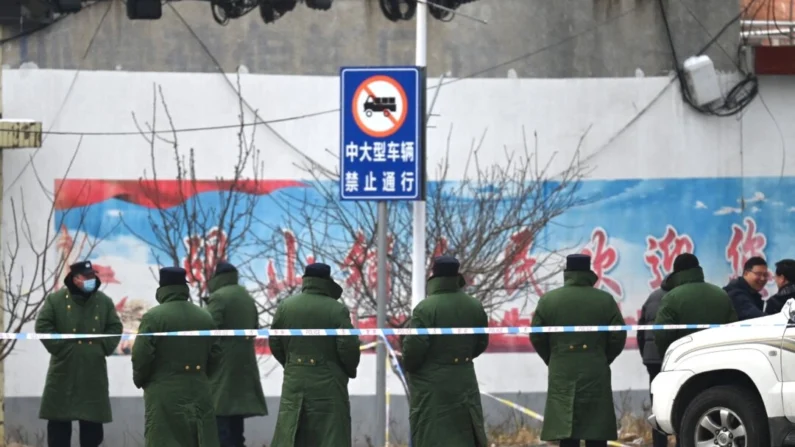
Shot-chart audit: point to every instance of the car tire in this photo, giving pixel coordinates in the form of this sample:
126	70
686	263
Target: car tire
739	402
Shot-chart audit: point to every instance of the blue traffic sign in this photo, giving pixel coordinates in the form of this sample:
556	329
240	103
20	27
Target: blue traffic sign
381	133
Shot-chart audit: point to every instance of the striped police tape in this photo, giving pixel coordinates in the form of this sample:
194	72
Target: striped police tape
265	333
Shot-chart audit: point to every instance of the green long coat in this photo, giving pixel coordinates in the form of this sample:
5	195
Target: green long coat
579	392
235	383
173	373
691	301
315	409
77	379
445	407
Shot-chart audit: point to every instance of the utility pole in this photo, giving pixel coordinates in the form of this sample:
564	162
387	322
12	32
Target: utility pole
14	134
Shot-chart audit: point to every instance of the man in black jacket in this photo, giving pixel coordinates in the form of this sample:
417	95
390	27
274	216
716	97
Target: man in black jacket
785	280
744	291
648	349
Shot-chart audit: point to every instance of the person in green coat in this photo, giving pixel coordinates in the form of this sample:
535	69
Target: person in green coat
235	383
173	370
690	301
445	407
579	392
315	409
76	388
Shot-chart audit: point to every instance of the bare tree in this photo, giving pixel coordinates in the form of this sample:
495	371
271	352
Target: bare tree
34	265
282	277
206	231
490	220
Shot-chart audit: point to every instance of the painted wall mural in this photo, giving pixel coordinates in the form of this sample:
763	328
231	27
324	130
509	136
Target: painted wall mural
633	229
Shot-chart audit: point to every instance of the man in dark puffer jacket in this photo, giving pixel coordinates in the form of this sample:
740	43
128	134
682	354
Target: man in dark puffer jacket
745	290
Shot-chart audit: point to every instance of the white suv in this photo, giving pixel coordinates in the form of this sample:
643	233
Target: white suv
730	386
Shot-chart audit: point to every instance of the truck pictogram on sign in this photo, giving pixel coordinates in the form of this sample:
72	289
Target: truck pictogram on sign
379	106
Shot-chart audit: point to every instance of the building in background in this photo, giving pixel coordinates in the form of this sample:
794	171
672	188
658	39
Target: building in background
524	38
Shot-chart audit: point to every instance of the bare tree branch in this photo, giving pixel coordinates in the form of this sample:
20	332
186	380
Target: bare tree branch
197	234
493	220
34	267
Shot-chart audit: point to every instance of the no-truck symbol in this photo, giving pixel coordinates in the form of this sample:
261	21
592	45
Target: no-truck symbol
379	106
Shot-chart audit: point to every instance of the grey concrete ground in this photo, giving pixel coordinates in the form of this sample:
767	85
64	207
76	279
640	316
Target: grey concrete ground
127	429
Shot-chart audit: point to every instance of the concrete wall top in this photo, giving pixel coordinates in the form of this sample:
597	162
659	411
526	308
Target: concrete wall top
524	38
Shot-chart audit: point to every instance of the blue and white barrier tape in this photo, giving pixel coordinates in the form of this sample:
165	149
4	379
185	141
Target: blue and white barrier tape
265	333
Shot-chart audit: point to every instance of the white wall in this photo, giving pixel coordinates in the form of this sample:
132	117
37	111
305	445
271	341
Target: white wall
639	128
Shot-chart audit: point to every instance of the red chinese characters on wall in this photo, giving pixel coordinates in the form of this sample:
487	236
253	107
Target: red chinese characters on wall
661	252
520	264
203	252
361	265
604	258
292	277
744	244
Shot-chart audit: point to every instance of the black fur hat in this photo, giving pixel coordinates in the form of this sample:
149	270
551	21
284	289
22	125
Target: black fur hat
578	263
317	270
173	276
445	266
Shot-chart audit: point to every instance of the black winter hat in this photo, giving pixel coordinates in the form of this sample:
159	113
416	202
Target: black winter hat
173	276
445	266
685	261
81	268
578	263
224	267
317	270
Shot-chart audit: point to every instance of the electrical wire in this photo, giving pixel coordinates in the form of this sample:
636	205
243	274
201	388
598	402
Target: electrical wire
743	69
738	97
220	69
186	129
471	75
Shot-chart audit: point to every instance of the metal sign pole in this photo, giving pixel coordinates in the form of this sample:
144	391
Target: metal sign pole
380	360
382	114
